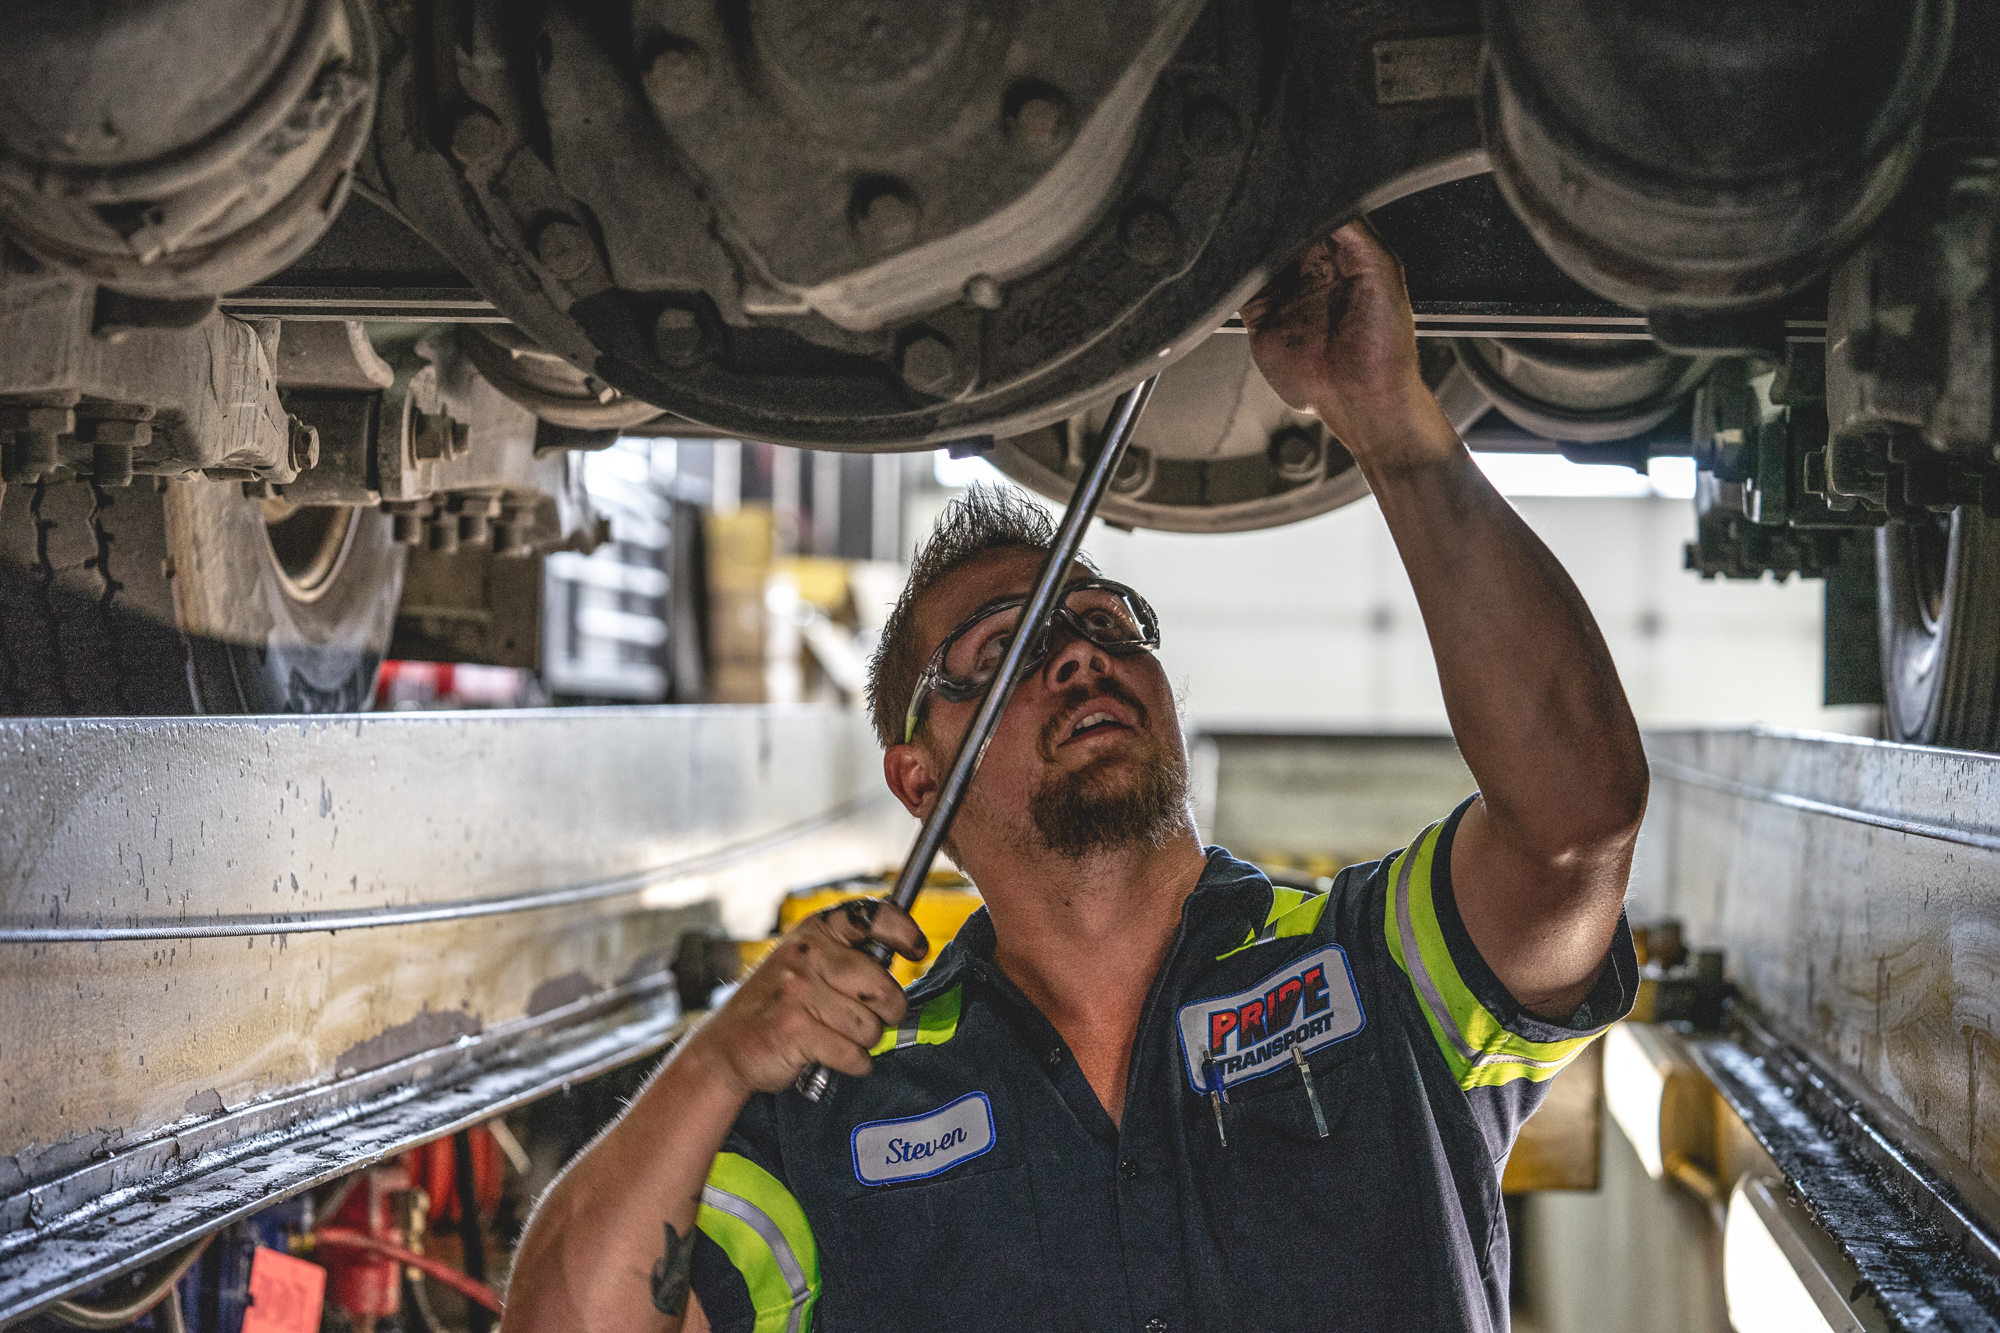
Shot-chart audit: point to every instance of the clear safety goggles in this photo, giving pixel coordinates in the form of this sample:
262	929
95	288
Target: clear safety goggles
1108	614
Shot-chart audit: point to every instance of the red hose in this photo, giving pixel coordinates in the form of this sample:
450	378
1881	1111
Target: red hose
451	1277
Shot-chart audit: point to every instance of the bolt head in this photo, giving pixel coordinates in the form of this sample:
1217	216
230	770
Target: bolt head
928	365
437	437
1039	120
1295	454
40	420
565	250
1150	236
478	139
884	216
679	78
304	446
677	337
984	292
1133	472
135	434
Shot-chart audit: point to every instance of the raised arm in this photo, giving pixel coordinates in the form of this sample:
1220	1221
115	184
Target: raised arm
1539	863
608	1246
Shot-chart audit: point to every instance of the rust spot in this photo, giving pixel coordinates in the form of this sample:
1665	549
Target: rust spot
427	1031
559	991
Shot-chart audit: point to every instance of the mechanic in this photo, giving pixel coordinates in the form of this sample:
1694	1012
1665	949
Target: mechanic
1144	1089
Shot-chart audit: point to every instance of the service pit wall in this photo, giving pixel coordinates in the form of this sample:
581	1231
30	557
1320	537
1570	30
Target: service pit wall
199	917
1851	885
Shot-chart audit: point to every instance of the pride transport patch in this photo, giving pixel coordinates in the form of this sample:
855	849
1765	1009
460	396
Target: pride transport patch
888	1151
1308	1003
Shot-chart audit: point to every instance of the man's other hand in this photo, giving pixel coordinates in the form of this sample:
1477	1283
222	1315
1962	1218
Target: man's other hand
1333	336
815	999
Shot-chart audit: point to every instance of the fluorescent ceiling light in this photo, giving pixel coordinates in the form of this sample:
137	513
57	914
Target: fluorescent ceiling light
1512	474
1554	475
959	473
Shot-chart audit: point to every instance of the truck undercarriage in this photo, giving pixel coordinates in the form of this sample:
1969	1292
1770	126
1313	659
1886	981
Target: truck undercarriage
302	301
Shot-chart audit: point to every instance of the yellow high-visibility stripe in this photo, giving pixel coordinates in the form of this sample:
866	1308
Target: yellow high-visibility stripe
760	1226
1480	1051
1293	912
932	1023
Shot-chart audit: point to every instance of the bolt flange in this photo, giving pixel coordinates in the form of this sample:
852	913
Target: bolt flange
1150	236
679	79
884	216
565	250
929	365
677	337
1295	454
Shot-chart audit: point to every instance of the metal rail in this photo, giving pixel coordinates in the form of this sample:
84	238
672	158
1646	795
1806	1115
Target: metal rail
306	923
1850	884
1916	828
1447	319
1435	319
288	947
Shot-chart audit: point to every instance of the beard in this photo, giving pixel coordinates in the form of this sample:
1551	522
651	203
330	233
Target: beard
1104	806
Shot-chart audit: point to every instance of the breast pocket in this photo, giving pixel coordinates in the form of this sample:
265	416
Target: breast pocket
1349	1191
960	1253
1344	1091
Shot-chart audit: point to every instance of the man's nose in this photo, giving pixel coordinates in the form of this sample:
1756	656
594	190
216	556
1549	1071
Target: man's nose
1070	654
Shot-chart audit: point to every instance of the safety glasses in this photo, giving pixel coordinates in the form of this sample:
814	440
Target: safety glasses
1109	614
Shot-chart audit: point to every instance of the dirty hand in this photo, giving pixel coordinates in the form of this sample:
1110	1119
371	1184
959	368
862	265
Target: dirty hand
815	999
1333	336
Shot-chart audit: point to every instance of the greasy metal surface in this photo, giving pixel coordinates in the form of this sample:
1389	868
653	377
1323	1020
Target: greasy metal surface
131	1207
1851	883
1920	1254
502	865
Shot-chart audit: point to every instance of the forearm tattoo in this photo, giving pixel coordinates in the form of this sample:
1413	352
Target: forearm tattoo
670	1274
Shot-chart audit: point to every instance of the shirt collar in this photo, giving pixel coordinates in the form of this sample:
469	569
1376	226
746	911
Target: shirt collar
1231	896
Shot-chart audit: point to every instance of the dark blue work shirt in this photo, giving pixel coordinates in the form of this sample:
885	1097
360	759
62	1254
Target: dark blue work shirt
974	1181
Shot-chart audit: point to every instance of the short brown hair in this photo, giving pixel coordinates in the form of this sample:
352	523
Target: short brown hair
984	519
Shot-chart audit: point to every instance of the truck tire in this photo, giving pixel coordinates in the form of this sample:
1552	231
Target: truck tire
1939	580
182	597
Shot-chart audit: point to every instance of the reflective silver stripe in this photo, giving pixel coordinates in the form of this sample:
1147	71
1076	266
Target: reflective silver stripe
1427	991
907	1030
1503	1058
781	1249
1413	956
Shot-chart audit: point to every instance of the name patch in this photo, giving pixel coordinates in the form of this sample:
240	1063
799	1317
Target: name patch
1306	1004
888	1151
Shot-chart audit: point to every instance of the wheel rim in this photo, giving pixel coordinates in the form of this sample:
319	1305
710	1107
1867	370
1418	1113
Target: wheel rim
1917	623
1930	564
308	544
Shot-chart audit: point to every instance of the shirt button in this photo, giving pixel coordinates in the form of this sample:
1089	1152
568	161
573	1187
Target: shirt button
1156	1325
1129	1169
1053	1058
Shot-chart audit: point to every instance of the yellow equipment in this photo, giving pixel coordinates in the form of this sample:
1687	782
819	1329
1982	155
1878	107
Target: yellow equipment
948	899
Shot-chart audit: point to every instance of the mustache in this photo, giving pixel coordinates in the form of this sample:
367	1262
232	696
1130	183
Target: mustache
1076	696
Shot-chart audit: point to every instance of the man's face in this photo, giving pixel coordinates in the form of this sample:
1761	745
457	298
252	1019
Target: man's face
1089	754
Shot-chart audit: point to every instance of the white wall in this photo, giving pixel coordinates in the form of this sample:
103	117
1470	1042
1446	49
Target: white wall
1313	626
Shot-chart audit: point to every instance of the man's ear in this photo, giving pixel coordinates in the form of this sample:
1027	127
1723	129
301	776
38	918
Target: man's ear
910	778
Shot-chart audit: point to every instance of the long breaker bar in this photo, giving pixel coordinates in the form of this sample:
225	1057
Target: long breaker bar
814	1080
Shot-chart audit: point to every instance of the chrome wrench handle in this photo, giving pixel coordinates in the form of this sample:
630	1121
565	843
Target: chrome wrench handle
814	1080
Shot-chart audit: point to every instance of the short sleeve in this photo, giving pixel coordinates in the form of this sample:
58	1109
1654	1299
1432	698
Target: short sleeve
756	1262
1485	1036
